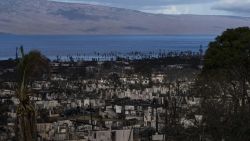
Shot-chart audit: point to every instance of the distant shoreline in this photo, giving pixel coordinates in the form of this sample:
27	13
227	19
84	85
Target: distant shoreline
80	45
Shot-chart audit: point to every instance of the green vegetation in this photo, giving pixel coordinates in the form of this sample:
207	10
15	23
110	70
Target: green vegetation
223	86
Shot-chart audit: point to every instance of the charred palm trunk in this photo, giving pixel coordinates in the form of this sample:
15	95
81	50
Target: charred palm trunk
27	124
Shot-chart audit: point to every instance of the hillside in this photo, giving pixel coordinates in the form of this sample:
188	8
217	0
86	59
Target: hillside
47	17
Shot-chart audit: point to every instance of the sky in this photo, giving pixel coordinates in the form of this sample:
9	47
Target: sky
198	7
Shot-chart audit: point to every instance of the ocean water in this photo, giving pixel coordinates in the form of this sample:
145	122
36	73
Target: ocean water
78	45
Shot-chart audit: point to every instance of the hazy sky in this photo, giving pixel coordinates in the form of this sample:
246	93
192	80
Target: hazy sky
201	7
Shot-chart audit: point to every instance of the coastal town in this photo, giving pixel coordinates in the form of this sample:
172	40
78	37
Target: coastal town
124	70
146	99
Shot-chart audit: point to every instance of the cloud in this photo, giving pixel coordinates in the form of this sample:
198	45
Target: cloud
138	3
234	6
169	9
196	9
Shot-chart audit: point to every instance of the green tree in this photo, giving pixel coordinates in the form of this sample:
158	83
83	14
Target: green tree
224	84
29	67
228	61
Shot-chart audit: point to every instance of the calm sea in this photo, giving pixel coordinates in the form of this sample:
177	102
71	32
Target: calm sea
55	45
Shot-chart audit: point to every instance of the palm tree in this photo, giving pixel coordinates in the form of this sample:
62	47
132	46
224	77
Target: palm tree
29	65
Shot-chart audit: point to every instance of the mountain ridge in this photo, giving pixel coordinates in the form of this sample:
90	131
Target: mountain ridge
50	17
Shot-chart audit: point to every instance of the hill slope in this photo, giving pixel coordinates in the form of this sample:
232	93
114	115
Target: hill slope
47	17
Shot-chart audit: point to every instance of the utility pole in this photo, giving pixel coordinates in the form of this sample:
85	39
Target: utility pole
16	53
91	116
201	54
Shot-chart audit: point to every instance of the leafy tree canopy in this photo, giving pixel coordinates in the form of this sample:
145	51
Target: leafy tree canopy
229	52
